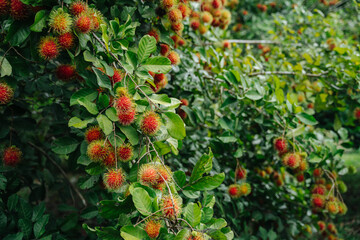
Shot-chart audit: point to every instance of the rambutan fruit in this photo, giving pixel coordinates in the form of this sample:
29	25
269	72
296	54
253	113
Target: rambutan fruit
167	4
184	102
332	207
96	19
240	173
206	17
154	33
234	191
320	180
182	42
245	12
118	76
333	175
164	49
114	179
174	58
11	156
65	72
195	23
123	103
273	4
310	105
110	160
93	133
321	225
48	48
66	40
83	23
357	113
216	4
280	145
203	29
4	7
6	93
78	7
342	208
152	228
164	174
245	189
127	118
182	113
160	81
148	174
279	182
342	186
177	27
331	228
19	10
184	9
60	21
216	14
175	38
291	160
318	200
225	15
125	152
317	172
171	206
150	123
226	45
195	14
319	189
300	177
97	150
175	15
302	166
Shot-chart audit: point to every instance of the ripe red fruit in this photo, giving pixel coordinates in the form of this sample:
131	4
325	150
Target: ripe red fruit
19	10
83	23
184	102
184	9
125	152
118	76
154	33
6	93
322	225
291	160
182	42
65	72
331	228
148	174
234	191
66	40
317	172
123	103
4	7
167	4
170	206
11	156
160	81
78	7
195	23
110	160
357	113
175	15
97	150
164	174
226	44
174	58
152	228
240	173
318	200
245	12
114	179
96	19
216	4
177	27
319	189
127	118
93	133
48	48
60	21
164	49
150	123
280	145
300	177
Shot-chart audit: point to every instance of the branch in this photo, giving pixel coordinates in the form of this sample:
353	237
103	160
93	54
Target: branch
62	172
252	41
288	73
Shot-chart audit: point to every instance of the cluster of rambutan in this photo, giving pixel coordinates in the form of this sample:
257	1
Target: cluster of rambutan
243	188
154	175
213	13
265	172
17	9
262	7
160	81
181	112
62	21
11	156
6	93
327	230
100	150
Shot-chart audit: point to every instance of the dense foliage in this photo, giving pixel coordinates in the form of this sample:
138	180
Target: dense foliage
166	119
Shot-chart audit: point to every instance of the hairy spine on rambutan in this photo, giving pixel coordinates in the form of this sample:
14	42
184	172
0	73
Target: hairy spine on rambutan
19	10
11	156
319	189
83	23
148	174
154	33
118	76
66	40
150	123
48	48
60	21
171	206
125	152
332	207
240	173
174	58
78	7
245	189
234	191
97	150
110	160
6	93
177	27
280	145
152	228
331	228
65	72
175	15
206	17
164	174
318	200
291	160
96	19
185	10
317	172
167	4
164	49
93	133
114	179
127	118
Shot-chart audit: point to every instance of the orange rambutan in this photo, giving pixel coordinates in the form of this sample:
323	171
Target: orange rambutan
93	133
83	23
6	93
171	206
184	9
318	200
206	17
48	48
148	174
97	150
332	207
66	40
177	27
152	228
164	174
245	189
125	152
114	179
331	228
11	156
167	4
150	123
175	15
174	58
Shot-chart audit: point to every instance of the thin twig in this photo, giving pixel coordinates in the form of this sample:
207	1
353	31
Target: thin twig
288	73
252	41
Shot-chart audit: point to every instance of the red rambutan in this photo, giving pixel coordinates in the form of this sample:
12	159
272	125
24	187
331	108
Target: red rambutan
93	133
167	4
114	179
154	33
280	145
150	123
240	173
110	160
83	23
11	156
184	9
66	40
171	206
4	7
152	228
234	191
125	152
48	48
318	200
317	172
60	21
164	49
148	174
65	72
97	150
6	93
118	76
174	58
19	10
194	23
127	118
319	189
175	15
78	7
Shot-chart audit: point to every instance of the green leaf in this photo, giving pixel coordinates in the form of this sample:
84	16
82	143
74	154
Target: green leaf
105	124
253	95
162	99
147	45
24	209
111	114
204	165
192	214
108	233
90	182
131	134
5	67
12	202
180	178
64	145
142	201
208	183
3	182
94	169
25	226
89	57
157	65
15	236
102	79
217	235
86	93
183	234
38	212
39	226
90	106
39	22
308	58
111	209
306	118
217	223
174	125
17	33
296	132
133	233
78	123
